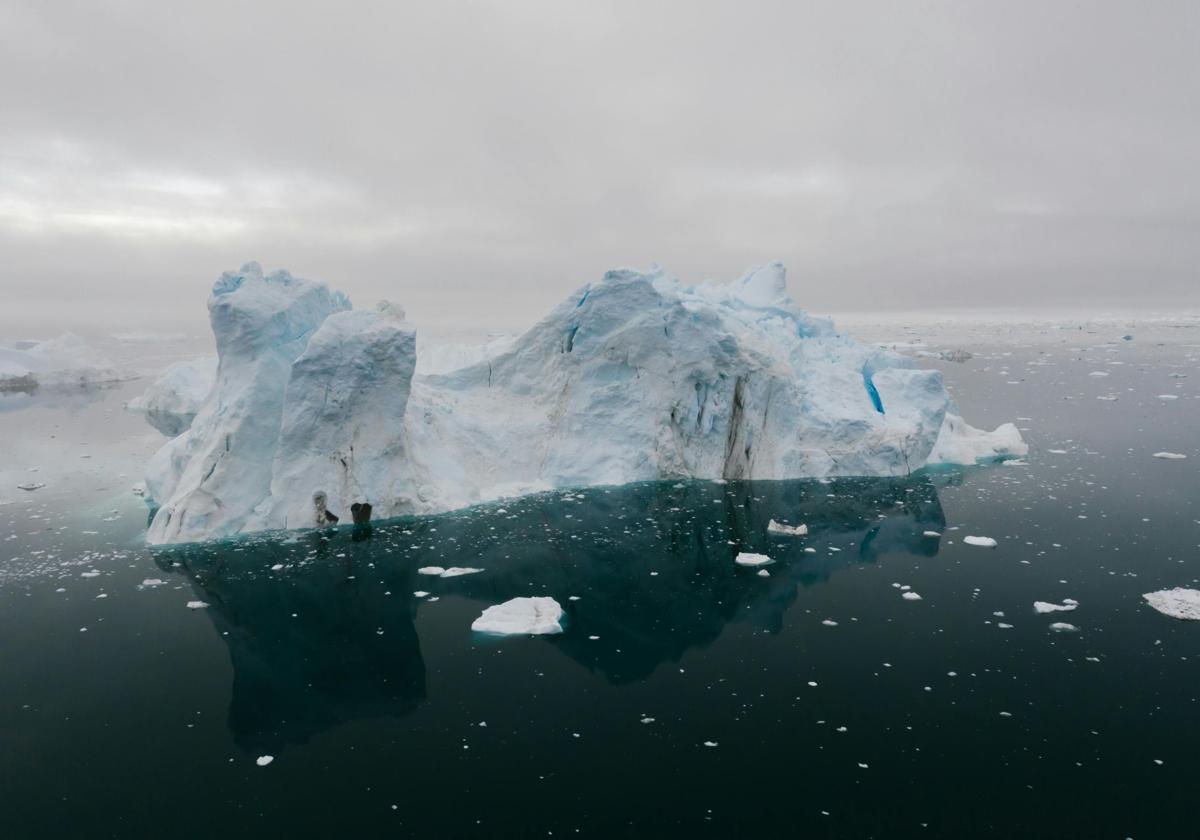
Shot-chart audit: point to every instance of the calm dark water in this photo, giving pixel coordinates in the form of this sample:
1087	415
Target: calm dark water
131	715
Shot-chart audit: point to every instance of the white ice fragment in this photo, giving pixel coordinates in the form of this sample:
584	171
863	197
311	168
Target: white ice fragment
264	760
536	616
1063	627
149	582
420	593
1067	605
1170	456
458	571
31	486
763	573
982	542
747	558
1177	603
196	605
910	596
710	743
780	529
435	571
931	534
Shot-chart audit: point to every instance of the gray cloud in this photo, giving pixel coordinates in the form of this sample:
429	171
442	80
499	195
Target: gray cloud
477	160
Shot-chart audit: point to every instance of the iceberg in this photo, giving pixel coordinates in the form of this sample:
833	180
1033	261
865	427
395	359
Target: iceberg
172	401
636	377
66	361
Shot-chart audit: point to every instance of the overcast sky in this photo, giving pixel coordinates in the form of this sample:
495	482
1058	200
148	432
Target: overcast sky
476	161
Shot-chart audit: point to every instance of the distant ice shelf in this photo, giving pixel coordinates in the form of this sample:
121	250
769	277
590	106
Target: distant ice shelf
320	413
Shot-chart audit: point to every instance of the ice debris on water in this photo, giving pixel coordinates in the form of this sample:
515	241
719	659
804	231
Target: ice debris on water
196	605
783	530
1063	627
264	760
749	558
1067	605
982	542
1170	456
535	616
1177	603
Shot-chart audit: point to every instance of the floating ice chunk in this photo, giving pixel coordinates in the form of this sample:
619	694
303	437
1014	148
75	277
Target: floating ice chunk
710	743
264	760
1168	396
31	486
982	542
647	720
748	558
829	622
434	571
1177	603
66	361
459	571
91	573
196	605
779	528
931	534
1063	627
910	596
763	573
151	582
1067	605
1170	456
535	616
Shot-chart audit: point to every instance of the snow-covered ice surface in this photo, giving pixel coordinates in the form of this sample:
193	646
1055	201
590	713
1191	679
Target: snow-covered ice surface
521	616
1178	603
636	377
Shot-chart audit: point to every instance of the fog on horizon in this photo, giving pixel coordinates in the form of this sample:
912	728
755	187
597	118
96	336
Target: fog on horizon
477	161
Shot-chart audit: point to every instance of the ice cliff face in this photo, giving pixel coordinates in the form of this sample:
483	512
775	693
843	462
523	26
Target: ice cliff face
633	378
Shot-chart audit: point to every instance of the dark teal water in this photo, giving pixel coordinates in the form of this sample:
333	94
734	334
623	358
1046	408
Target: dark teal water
927	718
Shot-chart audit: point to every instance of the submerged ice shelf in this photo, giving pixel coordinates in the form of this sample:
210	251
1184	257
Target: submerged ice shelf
636	377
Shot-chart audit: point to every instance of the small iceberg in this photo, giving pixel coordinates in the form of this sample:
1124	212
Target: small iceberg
982	542
1063	627
1177	603
531	616
782	530
1170	456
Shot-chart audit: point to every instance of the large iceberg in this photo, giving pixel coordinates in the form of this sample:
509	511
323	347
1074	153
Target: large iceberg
318	407
65	361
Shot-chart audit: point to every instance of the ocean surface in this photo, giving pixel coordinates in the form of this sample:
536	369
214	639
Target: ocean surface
687	697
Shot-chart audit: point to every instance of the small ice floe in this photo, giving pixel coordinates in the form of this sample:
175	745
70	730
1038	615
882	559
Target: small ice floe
30	486
1057	451
747	558
982	542
647	720
779	529
829	622
264	760
763	573
1063	627
151	582
573	598
1170	456
91	573
710	743
1067	605
1098	373
910	596
277	567
1168	396
932	534
535	616
1177	603
196	605
453	571
420	593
